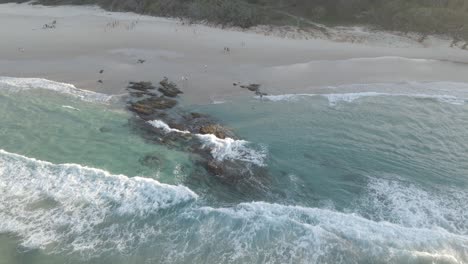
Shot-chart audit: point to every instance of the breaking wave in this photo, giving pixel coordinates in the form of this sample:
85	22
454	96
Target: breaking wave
71	207
20	84
274	233
407	204
68	207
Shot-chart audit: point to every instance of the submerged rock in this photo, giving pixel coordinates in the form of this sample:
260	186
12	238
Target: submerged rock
104	129
169	88
196	115
214	167
155	103
150	160
138	94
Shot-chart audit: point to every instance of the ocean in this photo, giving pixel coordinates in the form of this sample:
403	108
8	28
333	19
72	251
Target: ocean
365	173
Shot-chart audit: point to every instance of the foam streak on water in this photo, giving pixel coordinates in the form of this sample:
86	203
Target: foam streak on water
334	99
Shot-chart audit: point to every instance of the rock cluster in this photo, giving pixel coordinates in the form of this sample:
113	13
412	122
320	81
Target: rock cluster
149	103
169	88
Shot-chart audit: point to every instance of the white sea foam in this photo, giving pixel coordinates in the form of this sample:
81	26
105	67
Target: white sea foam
401	87
232	149
293	234
218	102
71	207
222	149
335	98
352	61
165	127
413	206
390	59
284	97
20	84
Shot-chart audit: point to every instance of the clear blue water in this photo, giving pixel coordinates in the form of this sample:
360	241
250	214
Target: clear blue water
376	179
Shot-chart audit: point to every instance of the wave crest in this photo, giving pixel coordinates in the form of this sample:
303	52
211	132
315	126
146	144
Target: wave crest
295	234
413	206
20	84
78	208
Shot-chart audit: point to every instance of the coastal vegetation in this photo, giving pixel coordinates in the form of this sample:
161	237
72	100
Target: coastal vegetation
422	16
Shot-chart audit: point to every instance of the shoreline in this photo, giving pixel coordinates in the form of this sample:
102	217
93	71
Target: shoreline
88	39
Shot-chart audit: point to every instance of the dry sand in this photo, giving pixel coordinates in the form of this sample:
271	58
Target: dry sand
88	39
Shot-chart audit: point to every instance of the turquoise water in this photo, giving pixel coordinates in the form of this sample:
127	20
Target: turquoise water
371	179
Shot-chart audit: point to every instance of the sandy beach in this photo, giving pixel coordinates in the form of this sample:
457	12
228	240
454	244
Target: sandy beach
89	39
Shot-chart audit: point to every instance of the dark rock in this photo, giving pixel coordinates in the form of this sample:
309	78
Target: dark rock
100	81
141	86
214	168
161	114
141	109
214	129
196	115
169	88
251	87
140	61
138	94
156	103
260	93
101	71
176	126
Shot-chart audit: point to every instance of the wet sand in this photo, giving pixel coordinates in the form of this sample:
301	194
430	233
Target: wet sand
88	39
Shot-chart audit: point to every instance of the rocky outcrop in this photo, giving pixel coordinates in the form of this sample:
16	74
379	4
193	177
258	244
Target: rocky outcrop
253	87
150	105
183	134
141	86
169	88
214	129
141	109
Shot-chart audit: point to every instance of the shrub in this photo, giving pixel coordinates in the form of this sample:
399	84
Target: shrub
226	12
